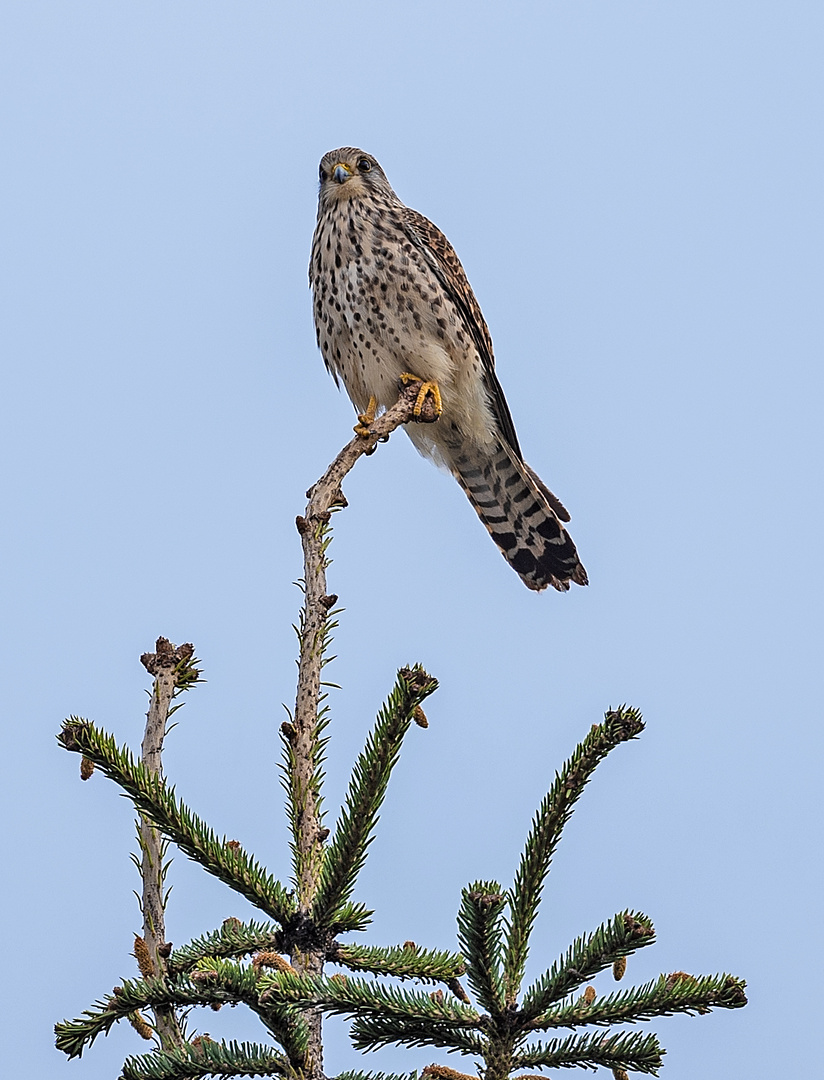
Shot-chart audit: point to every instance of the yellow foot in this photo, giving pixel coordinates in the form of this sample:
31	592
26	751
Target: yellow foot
365	418
426	388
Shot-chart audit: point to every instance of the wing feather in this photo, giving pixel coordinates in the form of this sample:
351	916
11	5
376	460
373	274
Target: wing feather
441	256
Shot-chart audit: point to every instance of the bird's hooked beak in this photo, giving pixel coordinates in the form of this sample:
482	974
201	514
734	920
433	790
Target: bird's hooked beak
341	173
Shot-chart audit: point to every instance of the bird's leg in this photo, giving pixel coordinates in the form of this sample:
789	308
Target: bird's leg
426	388
366	418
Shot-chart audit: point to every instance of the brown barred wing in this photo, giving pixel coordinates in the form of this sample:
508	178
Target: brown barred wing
444	260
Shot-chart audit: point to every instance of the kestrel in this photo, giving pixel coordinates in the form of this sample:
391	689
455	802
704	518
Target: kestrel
392	304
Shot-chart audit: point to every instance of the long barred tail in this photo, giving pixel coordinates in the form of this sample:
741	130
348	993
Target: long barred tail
522	516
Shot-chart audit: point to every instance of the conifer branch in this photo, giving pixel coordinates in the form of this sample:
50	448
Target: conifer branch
304	753
401	961
314	629
213	983
225	860
73	1036
665	996
204	1058
635	1050
555	810
480	937
351	918
374	1032
174	671
232	939
360	997
346	853
245	984
302	734
588	955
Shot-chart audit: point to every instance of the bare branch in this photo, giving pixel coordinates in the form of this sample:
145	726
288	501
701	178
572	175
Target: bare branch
323	496
151	951
305	748
326	492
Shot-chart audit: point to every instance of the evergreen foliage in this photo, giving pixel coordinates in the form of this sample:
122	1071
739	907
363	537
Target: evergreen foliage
150	795
246	963
405	961
553	814
479	933
232	939
207	1058
494	927
346	854
386	1014
588	955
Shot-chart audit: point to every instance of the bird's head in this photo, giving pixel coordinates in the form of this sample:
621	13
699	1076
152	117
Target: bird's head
350	173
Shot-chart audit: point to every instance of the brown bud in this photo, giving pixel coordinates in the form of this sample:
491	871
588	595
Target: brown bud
458	991
734	991
419	716
165	950
233	845
589	995
68	736
636	928
139	1023
203	975
86	768
443	1072
143	957
160	658
288	731
329	601
167	656
620	1074
231	923
486	899
301	524
676	977
619	968
272	960
261	959
323	834
410	945
437	996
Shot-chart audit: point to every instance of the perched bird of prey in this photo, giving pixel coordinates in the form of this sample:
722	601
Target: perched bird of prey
392	304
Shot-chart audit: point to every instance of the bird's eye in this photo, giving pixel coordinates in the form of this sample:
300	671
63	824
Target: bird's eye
364	165
322	174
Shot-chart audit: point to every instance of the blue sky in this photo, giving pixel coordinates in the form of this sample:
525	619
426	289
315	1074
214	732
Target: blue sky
634	189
